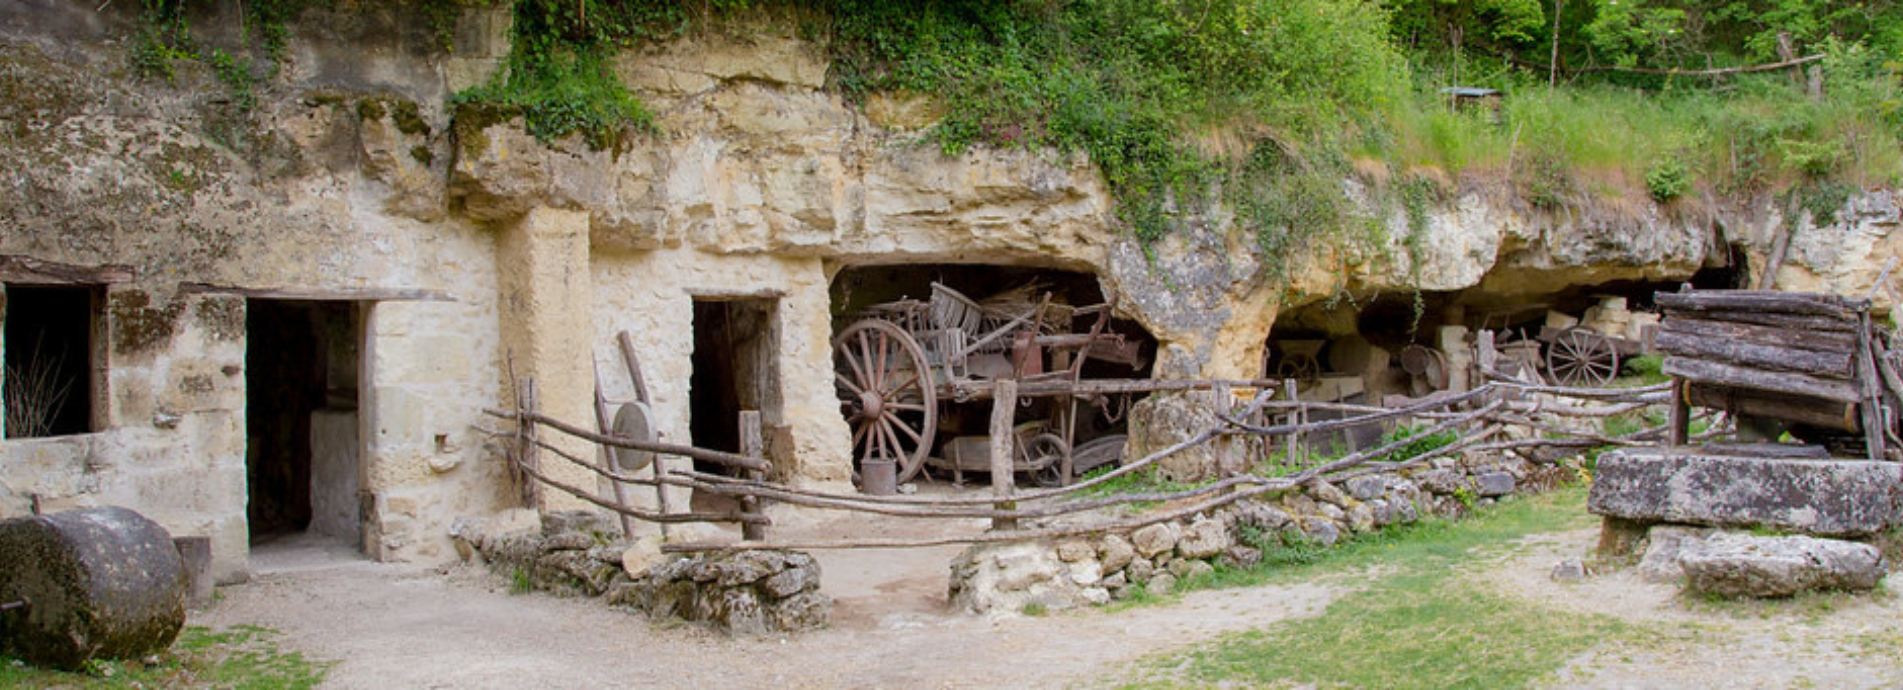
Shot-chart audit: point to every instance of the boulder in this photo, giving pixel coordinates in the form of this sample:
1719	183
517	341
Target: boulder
1327	493
1161	584
1205	538
1569	570
1742	565
1819	497
1492	484
1367	488
1663	543
1441	481
1073	550
643	554
1155	539
1115	552
1141	570
1262	516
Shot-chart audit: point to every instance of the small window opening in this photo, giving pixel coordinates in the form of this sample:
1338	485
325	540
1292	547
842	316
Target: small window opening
51	388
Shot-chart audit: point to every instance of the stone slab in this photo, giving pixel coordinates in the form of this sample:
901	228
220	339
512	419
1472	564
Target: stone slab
1819	497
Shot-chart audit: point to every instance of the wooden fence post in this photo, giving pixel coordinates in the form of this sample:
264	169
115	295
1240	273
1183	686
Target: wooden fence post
752	445
1004	405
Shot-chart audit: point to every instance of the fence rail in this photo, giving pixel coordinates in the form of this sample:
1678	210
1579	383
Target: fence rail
1476	418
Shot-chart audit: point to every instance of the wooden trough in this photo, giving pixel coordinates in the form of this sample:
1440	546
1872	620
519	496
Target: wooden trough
1813	361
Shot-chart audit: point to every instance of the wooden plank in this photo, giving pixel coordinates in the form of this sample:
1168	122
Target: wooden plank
1761	301
1817	412
1830	365
26	270
1707	371
752	445
1873	423
967	391
1679	425
1790	338
1004	407
1814	324
348	294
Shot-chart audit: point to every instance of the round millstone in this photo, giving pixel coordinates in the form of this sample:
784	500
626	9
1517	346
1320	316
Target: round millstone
96	582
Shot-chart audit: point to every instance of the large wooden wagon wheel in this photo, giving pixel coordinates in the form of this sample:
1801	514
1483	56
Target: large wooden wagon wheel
1582	357
887	393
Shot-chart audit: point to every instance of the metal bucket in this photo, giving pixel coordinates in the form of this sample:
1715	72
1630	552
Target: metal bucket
879	477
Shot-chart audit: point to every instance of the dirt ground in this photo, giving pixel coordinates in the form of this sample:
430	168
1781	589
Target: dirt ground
1824	641
393	626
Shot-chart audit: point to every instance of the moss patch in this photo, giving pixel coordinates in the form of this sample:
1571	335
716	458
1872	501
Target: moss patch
137	326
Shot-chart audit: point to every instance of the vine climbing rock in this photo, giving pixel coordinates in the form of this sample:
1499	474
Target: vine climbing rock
93	583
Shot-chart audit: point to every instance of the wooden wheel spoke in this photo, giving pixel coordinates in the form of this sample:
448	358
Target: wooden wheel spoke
902	426
909	407
871	381
852	358
842	380
909	383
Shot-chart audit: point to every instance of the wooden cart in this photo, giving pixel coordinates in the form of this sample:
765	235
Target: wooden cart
1581	356
897	362
1812	361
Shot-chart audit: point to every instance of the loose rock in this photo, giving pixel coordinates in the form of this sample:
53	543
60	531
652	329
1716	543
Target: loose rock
1204	539
1739	565
1155	539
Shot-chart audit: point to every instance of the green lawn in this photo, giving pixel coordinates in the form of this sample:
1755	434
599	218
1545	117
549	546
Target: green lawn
1418	624
242	657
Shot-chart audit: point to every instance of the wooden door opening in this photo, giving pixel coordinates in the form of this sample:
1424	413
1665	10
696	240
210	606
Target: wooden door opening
303	454
735	342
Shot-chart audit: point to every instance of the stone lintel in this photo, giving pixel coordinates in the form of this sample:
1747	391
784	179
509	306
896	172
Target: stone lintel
1819	497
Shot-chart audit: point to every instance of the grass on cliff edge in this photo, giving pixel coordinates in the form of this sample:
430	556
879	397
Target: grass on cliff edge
244	656
1417	625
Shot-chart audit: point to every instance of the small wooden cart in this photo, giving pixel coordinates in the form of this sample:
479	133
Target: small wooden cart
897	362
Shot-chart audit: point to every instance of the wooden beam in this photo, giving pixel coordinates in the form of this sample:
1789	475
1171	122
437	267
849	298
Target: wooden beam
982	390
26	270
1813	340
358	294
1800	303
1004	407
1723	374
1830	365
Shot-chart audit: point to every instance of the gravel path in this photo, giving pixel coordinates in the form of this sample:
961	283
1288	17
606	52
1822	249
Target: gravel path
1826	641
396	627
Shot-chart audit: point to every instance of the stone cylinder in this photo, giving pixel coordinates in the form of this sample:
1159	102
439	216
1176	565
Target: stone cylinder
95	582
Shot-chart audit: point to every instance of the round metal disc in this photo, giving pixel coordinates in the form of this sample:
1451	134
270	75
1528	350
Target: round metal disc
632	421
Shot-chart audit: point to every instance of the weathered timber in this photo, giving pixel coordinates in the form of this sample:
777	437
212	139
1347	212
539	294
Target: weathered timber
753	445
1830	365
1004	407
713	456
26	270
1679	415
1788	338
337	294
1874	425
1720	373
967	391
650	516
1761	301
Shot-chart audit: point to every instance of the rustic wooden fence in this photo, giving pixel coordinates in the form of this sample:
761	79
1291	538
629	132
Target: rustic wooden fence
1479	419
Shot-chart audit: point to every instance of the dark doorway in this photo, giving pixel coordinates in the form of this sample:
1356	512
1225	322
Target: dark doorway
50	355
302	452
734	345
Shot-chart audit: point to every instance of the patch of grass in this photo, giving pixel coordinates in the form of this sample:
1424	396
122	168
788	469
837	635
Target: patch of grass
1035	609
1145	481
1415	627
519	582
243	656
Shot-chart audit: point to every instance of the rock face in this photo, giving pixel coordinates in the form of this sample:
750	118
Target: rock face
1829	498
1741	565
97	583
